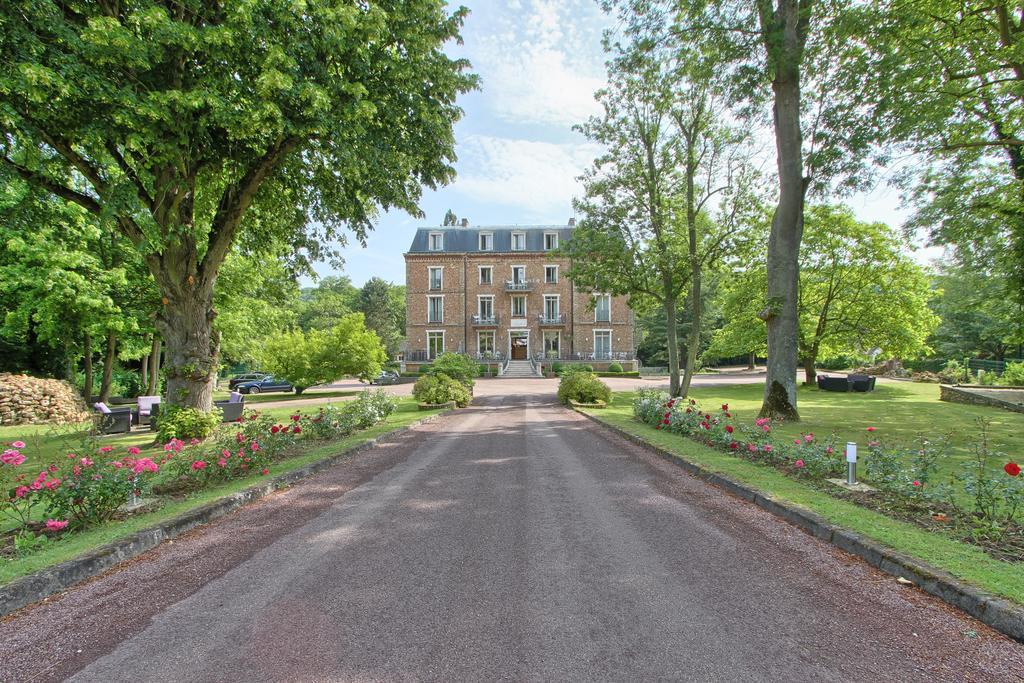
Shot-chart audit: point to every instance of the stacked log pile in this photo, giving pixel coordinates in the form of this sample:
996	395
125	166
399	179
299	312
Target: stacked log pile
31	400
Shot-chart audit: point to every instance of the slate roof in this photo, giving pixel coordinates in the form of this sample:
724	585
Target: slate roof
460	240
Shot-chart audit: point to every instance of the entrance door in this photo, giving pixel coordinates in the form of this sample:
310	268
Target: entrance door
519	344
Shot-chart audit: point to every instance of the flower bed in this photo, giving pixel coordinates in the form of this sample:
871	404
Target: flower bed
92	484
982	503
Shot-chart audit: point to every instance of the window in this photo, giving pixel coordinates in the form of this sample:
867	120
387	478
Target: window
518	275
518	241
487	241
602	344
551	274
436	241
519	307
485	307
550	241
603	308
486	274
552	340
485	343
551	308
435	344
435	309
436	278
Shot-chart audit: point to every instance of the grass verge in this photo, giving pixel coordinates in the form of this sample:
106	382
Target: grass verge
78	543
963	561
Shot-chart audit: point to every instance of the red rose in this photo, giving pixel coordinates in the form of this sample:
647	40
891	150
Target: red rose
734	445
665	421
1012	468
728	428
296	418
725	407
275	429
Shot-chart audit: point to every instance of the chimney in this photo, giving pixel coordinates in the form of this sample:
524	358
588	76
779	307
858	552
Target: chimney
465	222
572	222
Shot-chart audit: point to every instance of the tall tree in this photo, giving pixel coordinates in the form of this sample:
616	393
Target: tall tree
322	307
649	198
382	315
191	124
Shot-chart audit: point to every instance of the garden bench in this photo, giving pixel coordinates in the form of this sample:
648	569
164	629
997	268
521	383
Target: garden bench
116	421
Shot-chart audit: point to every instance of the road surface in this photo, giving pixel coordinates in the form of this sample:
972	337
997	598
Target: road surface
514	540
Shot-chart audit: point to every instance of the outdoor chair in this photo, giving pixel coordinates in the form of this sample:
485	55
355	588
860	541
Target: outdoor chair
117	421
826	383
233	408
862	383
145	408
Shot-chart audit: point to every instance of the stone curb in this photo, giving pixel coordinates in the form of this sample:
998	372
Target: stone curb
46	582
999	613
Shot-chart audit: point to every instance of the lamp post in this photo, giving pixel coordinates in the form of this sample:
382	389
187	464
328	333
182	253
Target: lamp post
851	463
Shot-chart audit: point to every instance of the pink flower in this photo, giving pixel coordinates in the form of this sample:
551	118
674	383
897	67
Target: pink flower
145	465
76	470
86	462
830	450
222	462
239	437
871	429
18	444
21	492
199	465
752	447
265	471
808	438
916	483
56	524
768	448
117	464
255	447
52	484
766	428
106	449
133	450
12	458
226	453
194	442
798	464
797	441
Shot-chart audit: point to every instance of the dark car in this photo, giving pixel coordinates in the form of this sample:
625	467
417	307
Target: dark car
248	377
385	377
267	383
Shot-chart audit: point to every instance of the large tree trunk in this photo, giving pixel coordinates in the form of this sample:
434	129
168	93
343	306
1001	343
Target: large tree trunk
810	373
144	373
154	368
784	33
672	344
192	351
87	389
695	310
752	361
108	366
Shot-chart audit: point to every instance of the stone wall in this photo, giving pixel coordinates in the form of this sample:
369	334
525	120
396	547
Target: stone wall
30	400
964	394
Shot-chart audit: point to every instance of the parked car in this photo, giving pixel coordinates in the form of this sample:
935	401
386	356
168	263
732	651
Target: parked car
385	377
266	383
248	377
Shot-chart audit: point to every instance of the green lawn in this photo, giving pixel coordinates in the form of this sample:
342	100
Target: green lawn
959	559
902	412
75	544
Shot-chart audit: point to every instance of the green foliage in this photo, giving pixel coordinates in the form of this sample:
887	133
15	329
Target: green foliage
1013	375
91	491
438	388
557	367
179	422
614	367
383	306
858	291
977	318
457	366
315	357
583	387
256	297
325	305
954	373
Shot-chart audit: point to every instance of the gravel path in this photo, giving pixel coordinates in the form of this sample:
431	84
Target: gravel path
514	540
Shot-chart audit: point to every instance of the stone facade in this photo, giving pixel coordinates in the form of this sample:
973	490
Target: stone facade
480	314
30	400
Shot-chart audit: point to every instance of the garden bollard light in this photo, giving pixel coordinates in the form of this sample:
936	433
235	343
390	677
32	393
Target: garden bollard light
851	463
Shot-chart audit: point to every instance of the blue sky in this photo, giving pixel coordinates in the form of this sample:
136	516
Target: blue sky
540	62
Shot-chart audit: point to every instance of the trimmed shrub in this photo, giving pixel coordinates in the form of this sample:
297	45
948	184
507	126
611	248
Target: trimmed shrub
557	367
457	366
614	367
177	422
583	387
440	388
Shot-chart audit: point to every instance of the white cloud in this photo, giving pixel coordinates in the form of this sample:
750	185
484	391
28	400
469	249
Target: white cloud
540	61
539	178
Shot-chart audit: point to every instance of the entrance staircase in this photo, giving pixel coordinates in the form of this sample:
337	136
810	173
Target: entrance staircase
520	368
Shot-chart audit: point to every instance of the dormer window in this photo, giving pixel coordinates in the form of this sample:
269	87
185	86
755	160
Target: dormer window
519	241
550	241
436	241
487	241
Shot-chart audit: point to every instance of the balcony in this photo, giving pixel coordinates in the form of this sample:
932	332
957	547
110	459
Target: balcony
551	320
484	321
519	286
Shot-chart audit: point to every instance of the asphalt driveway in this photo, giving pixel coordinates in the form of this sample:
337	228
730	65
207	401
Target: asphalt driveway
514	540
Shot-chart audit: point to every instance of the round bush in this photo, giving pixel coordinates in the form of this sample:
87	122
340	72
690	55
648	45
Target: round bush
176	422
583	387
440	388
614	367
